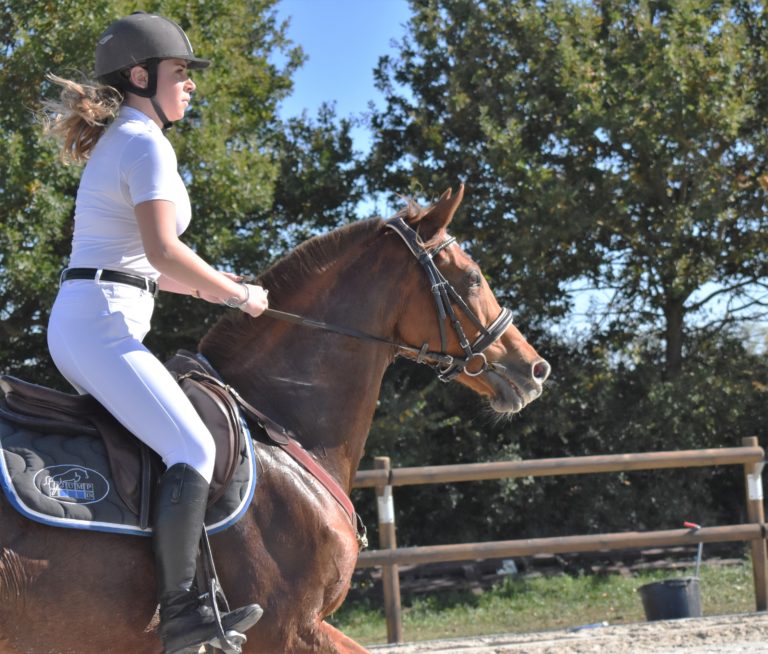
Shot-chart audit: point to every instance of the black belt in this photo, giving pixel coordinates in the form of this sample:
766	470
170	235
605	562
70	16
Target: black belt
111	276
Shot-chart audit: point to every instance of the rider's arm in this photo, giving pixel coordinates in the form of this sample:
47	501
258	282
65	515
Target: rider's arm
181	269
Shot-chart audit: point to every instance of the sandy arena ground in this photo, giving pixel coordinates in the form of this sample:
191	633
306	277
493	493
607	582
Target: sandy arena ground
724	634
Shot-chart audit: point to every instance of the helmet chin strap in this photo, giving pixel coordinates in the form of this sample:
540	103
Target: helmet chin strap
160	113
151	93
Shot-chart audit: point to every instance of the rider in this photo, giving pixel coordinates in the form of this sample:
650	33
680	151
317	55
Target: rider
131	207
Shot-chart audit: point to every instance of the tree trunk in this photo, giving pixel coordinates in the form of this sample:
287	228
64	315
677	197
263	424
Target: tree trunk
674	314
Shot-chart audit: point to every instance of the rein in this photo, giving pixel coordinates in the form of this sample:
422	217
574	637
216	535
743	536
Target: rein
446	366
436	358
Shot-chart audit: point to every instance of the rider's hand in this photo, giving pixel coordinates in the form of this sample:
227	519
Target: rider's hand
257	300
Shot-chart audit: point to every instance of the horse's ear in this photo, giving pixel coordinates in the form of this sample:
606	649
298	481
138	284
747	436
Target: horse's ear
440	214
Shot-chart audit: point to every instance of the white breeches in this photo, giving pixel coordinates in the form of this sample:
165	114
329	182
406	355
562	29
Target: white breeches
95	337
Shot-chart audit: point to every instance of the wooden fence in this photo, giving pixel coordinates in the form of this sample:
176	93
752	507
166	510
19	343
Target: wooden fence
382	478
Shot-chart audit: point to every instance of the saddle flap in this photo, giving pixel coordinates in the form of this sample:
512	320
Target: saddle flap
45	409
220	415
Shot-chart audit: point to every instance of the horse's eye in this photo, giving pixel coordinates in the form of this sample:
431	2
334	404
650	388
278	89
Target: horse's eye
475	279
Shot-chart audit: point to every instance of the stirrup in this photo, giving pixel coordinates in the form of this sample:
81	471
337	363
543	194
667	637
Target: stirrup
230	642
212	646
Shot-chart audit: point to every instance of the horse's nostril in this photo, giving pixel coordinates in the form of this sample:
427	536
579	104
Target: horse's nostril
541	370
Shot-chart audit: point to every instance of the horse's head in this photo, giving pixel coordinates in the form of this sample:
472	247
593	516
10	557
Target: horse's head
465	334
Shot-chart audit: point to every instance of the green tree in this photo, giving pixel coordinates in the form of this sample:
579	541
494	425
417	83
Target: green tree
623	143
252	179
318	186
598	407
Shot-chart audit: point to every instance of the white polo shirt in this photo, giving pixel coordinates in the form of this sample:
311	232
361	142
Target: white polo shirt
131	163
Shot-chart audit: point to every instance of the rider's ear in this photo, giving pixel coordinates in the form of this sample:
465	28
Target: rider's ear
439	216
139	76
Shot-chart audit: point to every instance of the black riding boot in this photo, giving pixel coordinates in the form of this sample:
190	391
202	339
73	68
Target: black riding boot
181	497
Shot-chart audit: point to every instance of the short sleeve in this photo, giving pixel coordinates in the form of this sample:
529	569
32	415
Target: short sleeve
149	169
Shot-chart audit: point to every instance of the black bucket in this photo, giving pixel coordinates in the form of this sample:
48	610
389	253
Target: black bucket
671	599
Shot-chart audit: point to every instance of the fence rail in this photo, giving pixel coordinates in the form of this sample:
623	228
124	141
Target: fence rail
565	466
389	556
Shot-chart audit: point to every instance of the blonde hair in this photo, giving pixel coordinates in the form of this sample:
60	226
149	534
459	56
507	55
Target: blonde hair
80	116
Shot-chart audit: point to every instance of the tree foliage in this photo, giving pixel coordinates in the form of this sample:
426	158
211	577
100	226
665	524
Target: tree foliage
617	144
595	406
623	143
247	173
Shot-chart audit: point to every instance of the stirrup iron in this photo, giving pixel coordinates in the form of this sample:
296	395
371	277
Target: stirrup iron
230	642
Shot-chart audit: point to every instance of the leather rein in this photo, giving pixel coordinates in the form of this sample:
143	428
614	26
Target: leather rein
446	366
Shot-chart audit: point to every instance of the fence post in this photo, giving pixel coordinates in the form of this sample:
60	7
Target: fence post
390	576
756	514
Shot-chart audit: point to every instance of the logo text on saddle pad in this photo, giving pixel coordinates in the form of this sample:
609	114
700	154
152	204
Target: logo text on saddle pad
72	484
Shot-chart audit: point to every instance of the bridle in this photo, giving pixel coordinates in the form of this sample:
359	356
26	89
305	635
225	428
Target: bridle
445	295
446	366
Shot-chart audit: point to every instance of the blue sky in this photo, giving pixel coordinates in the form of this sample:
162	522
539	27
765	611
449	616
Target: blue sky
343	40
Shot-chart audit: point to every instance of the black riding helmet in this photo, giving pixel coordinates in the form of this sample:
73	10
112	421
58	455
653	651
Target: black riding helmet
142	39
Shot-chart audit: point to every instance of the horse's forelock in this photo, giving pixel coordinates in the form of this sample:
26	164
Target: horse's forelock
412	211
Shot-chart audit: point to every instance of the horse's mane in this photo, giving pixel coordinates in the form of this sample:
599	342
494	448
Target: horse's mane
307	260
312	257
291	272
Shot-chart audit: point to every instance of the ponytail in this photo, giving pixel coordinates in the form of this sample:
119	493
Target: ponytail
80	116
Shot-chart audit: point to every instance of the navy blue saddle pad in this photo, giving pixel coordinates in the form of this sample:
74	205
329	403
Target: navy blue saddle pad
64	480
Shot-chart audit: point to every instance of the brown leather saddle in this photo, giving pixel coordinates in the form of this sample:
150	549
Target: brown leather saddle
134	466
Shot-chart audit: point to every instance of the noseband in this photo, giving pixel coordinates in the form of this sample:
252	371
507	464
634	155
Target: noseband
446	366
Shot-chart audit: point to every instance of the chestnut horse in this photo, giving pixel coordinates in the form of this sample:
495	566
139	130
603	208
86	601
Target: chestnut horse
294	551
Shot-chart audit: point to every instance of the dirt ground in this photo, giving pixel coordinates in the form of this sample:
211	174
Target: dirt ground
724	634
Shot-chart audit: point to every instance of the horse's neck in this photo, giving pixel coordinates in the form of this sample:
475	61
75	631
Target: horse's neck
322	386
